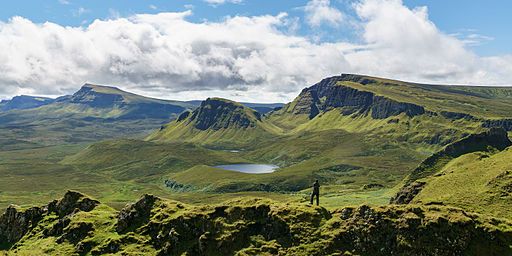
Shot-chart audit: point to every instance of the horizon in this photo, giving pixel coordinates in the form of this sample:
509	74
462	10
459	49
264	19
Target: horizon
256	102
244	50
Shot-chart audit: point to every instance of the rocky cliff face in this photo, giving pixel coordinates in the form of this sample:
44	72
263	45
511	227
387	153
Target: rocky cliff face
15	224
251	226
327	94
215	114
89	96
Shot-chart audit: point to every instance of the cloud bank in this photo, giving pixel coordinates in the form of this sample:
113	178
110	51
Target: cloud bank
243	58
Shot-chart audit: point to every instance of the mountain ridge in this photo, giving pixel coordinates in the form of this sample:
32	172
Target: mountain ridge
216	120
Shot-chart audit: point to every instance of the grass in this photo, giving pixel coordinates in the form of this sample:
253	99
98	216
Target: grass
479	182
485	102
345	152
260	226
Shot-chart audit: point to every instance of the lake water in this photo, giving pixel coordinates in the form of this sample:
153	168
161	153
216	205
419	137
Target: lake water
249	168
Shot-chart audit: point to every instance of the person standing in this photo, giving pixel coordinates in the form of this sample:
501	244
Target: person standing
316	192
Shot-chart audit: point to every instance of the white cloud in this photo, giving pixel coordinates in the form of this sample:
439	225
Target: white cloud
66	2
243	58
219	2
320	12
152	7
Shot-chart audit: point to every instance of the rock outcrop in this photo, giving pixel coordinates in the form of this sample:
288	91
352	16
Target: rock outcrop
252	226
328	94
498	123
215	113
14	224
407	193
89	95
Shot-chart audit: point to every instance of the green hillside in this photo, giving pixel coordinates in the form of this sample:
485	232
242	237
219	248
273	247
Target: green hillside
79	225
217	122
361	137
469	174
91	114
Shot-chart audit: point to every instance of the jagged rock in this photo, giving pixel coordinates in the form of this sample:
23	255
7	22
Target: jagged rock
135	214
76	233
72	201
263	227
407	193
14	224
183	116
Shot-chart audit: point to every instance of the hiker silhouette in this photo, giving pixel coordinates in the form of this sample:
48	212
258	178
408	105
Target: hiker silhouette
316	192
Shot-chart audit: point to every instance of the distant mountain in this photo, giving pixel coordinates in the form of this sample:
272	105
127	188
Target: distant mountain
92	113
217	121
24	102
112	102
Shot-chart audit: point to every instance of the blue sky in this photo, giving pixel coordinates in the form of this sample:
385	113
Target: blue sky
490	21
248	50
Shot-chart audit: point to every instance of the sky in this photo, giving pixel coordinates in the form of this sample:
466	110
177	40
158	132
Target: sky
248	50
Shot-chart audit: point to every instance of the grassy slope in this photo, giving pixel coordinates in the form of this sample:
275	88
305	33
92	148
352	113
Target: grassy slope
485	102
185	130
480	182
375	151
254	226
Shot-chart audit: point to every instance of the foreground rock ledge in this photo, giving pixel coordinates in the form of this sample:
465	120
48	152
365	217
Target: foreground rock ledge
78	225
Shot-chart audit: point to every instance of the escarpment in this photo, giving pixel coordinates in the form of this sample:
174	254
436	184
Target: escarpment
329	94
217	113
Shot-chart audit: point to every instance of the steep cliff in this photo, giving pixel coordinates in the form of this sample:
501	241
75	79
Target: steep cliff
329	94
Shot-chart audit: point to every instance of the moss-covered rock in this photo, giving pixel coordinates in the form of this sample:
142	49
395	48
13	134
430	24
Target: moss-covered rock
154	226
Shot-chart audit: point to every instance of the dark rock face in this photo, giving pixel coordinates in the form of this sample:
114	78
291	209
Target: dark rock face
456	116
501	123
220	114
327	95
135	214
183	116
87	95
407	193
14	224
72	201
